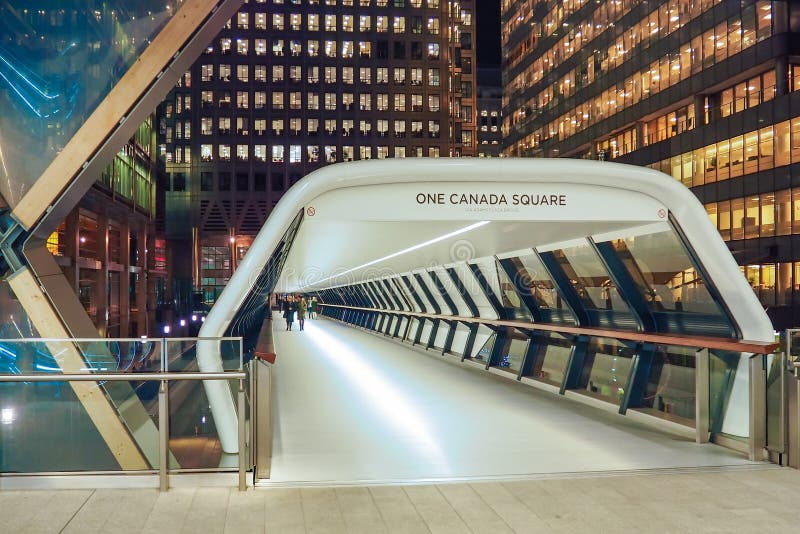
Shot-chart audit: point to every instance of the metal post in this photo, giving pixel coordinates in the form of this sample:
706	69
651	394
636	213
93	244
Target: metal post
758	412
163	436
702	396
263	433
242	440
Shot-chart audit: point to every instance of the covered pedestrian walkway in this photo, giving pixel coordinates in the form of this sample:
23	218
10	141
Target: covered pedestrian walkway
351	407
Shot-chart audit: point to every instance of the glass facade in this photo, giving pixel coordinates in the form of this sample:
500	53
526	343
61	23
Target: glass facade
56	66
702	90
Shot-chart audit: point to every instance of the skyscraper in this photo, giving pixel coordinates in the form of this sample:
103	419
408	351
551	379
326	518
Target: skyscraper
707	91
290	86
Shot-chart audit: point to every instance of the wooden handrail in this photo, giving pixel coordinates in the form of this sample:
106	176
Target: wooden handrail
734	345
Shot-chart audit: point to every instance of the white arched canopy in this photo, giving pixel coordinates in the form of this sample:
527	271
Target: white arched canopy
371	220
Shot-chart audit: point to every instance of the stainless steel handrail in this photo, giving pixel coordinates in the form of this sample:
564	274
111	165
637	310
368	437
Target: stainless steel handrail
163	409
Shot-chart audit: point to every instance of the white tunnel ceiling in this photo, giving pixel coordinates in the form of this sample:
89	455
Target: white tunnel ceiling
350	227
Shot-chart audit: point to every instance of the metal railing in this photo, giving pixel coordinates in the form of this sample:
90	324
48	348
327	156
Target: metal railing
114	360
163	411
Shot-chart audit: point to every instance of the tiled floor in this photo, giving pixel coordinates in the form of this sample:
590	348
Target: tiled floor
739	500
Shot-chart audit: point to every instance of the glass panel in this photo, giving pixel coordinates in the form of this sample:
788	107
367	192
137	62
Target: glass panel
671	385
664	272
509	298
590	278
722	374
44	427
541	286
557	349
606	368
485	351
513	352
57	63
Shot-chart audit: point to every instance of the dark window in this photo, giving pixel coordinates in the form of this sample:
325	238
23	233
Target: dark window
224	181
399	50
206	181
416	50
382	50
277	181
466	41
242	181
179	181
260	181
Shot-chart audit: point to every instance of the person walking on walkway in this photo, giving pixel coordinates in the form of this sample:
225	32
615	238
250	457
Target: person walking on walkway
289	309
302	308
312	308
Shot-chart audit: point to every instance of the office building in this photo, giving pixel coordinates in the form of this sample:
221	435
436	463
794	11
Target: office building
706	91
290	86
490	95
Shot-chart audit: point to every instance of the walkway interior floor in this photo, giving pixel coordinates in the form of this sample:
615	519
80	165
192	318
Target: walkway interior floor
354	407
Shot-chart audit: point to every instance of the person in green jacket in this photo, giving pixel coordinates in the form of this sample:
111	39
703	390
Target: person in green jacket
302	308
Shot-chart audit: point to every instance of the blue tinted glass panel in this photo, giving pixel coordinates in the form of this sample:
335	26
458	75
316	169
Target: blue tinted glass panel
58	61
535	277
590	278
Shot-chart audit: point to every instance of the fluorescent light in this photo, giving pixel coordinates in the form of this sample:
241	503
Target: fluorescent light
7	416
404	251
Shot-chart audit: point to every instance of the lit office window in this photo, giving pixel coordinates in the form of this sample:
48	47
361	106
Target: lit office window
347	23
242	99
416	102
364	102
382	23
399	151
330	154
347	127
433	77
313	126
382	75
399	129
433	152
347	75
382	102
295	154
382	127
259	99
260	73
295	48
330	23
313	74
433	25
434	103
225	72
416	129
295	126
330	48
277	153
277	100
365	75
313	22
433	129
260	21
224	152
242	127
225	45
296	21
295	73
242	152
312	47
399	24
296	100
330	74
277	127
400	75
416	76
261	47
260	126
330	126
243	73
206	125
348	99
365	23
433	50
347	49
399	102
365	152
312	153
260	153
277	73
330	101
242	46
243	20
313	101
277	21
224	125
206	73
383	152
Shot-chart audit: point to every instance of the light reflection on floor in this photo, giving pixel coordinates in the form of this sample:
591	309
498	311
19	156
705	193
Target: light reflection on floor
352	406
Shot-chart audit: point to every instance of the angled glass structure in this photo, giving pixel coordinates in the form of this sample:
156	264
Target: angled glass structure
76	81
590	279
